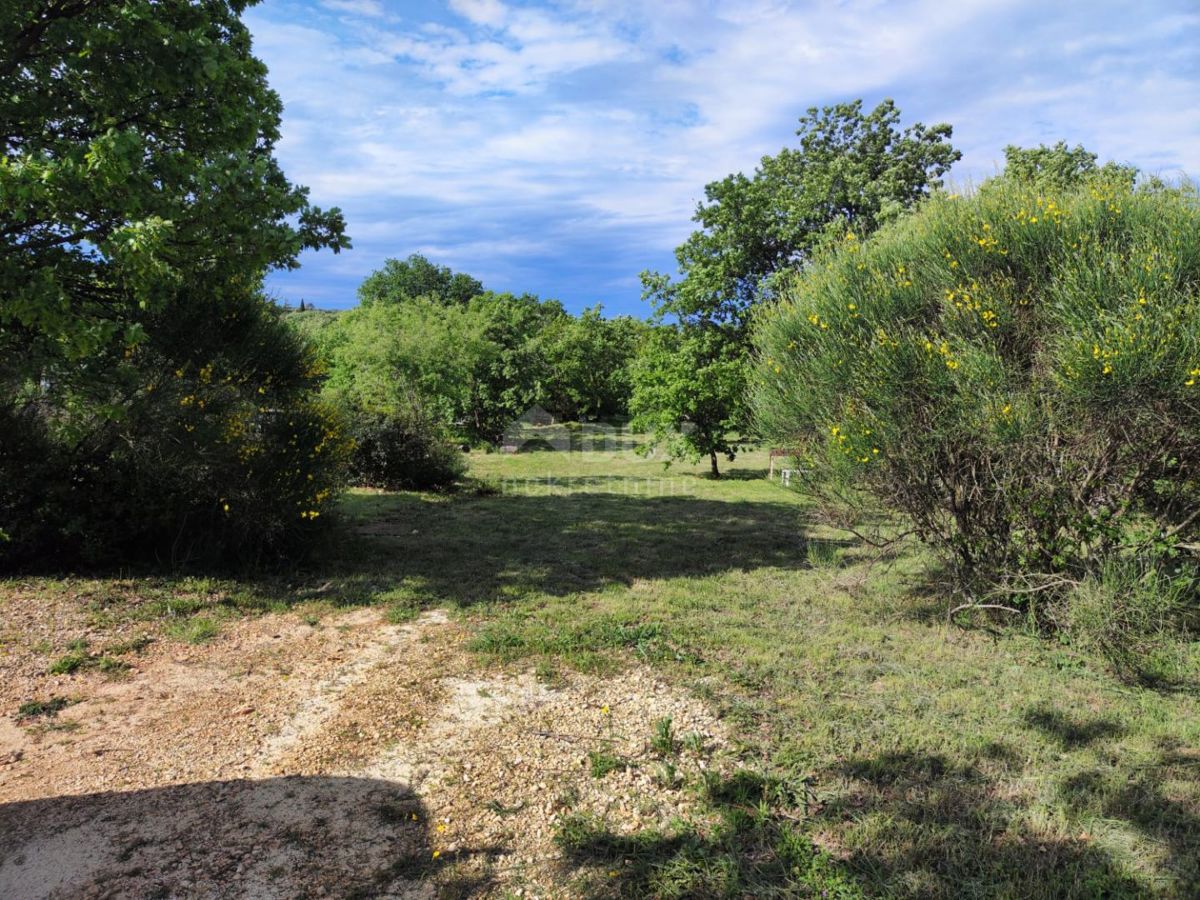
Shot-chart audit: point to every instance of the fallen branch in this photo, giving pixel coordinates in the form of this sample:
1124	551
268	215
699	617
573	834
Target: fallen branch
965	606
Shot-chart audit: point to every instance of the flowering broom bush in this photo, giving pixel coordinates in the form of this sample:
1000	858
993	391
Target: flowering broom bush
1018	372
203	443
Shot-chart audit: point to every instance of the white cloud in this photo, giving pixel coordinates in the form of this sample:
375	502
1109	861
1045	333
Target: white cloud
524	52
600	121
481	12
372	8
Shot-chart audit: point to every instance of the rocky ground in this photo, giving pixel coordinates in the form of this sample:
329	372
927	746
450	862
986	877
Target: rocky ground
350	757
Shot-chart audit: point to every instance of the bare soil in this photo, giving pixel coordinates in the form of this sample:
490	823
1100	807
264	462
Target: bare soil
348	758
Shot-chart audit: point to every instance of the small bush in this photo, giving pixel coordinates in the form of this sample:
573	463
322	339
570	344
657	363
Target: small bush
197	630
1018	372
1138	619
663	741
403	450
201	443
76	658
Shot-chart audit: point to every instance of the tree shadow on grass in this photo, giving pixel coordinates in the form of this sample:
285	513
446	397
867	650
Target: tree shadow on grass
1072	731
749	847
467	550
922	824
909	824
1159	799
278	837
927	826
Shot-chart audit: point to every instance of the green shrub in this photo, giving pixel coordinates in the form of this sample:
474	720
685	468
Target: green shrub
602	763
403	450
1018	372
202	443
36	709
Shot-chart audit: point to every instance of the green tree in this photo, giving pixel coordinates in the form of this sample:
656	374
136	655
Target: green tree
851	172
512	376
1061	167
688	389
137	179
588	359
474	368
416	276
385	357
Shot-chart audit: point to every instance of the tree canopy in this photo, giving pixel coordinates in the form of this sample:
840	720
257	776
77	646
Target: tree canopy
851	172
138	186
414	277
1061	166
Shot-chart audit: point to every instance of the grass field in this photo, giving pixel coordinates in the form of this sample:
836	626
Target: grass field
919	758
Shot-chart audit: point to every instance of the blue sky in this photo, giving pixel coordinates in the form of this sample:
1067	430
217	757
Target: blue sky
561	147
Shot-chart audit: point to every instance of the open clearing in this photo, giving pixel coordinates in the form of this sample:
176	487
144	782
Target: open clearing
469	699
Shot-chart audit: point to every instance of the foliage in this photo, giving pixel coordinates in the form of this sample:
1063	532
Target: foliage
1016	371
139	196
137	157
1139	618
477	366
587	361
403	450
1059	167
687	392
474	368
379	357
201	442
850	171
414	277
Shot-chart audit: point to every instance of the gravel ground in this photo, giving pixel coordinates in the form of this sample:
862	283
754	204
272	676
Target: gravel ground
350	758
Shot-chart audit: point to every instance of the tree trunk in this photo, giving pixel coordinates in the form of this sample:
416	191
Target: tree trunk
712	457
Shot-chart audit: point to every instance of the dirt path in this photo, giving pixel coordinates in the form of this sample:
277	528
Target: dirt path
350	758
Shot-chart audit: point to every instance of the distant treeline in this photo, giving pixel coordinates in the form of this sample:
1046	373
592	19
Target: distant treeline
472	360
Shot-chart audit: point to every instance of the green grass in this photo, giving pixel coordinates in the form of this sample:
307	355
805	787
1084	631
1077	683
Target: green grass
929	760
78	658
42	709
73	660
194	630
887	752
602	763
663	741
